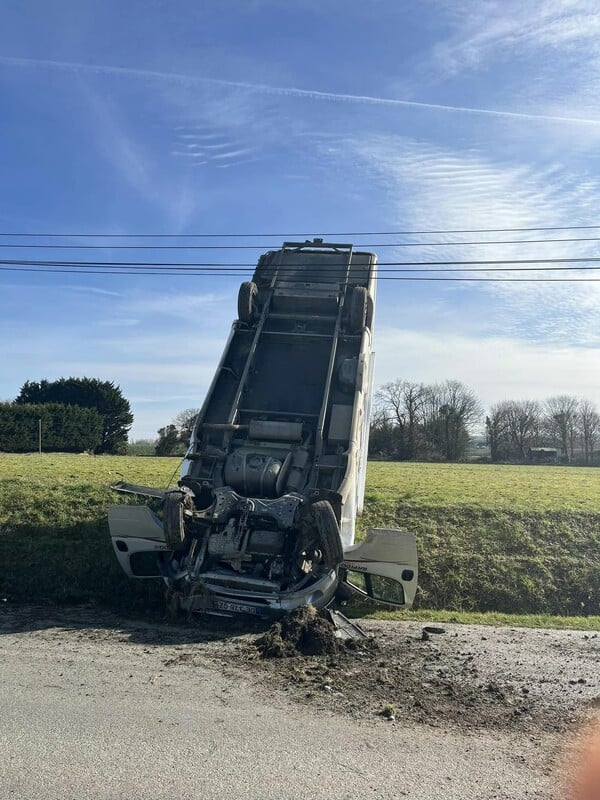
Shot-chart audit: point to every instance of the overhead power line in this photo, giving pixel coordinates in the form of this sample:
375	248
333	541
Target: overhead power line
174	273
292	235
216	270
325	267
21	245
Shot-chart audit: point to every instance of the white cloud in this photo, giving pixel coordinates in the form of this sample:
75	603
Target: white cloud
92	290
190	306
508	28
548	53
118	322
120	148
428	187
496	368
128	153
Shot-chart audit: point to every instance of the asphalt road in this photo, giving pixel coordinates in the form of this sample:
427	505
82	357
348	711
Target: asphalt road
107	712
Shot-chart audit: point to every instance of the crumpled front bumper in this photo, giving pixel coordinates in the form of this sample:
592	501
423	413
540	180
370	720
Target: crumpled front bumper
213	599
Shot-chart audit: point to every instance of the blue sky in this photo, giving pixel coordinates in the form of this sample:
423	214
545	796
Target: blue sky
298	117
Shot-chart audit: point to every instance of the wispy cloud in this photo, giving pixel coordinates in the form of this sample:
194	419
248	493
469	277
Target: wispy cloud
119	147
503	29
201	151
136	164
290	91
118	323
182	305
548	54
93	290
438	188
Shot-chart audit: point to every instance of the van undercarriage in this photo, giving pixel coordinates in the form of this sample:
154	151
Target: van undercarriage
263	519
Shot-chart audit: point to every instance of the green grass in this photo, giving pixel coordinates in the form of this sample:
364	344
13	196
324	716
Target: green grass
54	540
502	539
591	623
486	486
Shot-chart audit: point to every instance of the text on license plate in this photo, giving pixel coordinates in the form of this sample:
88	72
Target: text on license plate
237	608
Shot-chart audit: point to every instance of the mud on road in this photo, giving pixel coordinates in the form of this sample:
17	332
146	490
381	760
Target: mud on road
468	677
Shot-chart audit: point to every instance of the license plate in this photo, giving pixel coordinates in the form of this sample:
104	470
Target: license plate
236	608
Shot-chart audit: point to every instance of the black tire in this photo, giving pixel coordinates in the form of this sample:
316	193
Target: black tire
247	297
174	522
326	524
358	309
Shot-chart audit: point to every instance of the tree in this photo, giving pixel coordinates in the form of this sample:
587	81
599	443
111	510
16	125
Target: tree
588	428
497	432
524	419
168	440
384	439
451	409
184	422
562	417
401	402
104	396
174	439
68	429
413	420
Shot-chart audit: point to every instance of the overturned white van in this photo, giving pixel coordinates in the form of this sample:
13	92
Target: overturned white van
263	519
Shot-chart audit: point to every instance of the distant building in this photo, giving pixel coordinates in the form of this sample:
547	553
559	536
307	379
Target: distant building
544	455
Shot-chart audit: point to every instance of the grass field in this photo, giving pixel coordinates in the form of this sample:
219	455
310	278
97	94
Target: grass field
486	486
502	539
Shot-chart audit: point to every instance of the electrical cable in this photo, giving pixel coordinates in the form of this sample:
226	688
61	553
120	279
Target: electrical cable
304	234
21	245
324	268
173	273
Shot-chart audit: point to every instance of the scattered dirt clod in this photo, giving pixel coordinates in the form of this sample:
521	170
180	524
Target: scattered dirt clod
301	632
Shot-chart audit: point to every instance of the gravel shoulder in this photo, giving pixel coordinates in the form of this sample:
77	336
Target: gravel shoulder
94	705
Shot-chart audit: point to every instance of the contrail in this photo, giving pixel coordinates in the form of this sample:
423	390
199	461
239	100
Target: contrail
284	91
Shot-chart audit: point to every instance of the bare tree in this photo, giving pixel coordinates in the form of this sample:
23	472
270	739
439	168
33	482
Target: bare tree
414	420
588	429
497	431
451	408
562	417
382	438
402	402
523	418
184	422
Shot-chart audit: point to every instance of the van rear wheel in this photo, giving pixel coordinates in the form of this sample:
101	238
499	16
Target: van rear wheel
358	309
247	297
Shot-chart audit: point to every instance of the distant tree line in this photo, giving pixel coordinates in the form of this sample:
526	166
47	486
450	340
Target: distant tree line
567	423
76	414
417	421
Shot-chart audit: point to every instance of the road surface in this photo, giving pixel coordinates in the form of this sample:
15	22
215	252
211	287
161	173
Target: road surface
95	707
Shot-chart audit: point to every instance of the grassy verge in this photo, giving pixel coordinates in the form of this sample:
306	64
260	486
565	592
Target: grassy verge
473	559
498	540
591	623
54	540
